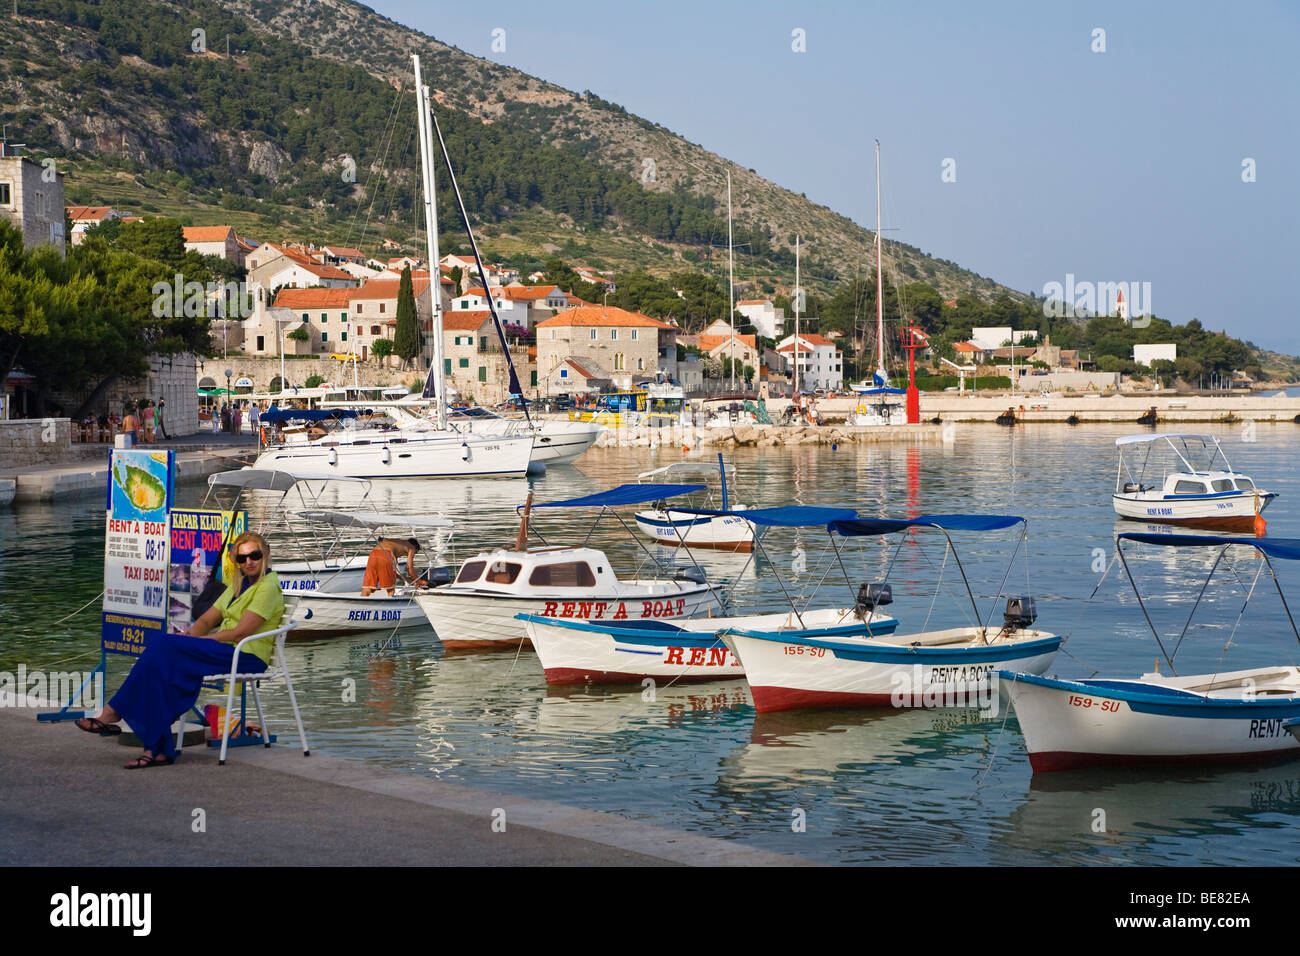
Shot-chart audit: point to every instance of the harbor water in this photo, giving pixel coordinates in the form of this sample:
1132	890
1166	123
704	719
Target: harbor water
852	787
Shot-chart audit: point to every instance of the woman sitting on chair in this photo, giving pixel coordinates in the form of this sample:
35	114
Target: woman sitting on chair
165	681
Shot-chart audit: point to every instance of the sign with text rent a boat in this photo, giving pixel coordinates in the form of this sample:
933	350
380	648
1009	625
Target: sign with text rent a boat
136	542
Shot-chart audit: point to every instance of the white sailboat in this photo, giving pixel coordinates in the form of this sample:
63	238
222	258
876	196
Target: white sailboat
874	407
440	449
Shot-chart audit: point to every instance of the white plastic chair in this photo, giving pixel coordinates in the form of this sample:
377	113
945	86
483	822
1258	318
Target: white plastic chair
277	670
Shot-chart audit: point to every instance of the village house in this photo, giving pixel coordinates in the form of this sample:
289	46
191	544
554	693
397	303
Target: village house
277	268
766	318
720	341
214	241
87	217
628	344
325	313
31	197
820	363
474	362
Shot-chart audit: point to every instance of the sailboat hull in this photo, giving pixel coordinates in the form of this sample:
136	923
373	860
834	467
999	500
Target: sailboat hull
442	457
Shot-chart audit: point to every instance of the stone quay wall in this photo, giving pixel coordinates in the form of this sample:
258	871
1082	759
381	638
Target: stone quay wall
27	442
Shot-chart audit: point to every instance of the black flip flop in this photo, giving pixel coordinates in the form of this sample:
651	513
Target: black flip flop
98	727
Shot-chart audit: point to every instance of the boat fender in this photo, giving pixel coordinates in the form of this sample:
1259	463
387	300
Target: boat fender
464	451
334	456
387	456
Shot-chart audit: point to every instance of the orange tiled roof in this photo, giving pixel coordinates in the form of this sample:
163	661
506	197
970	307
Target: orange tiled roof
87	213
752	302
710	342
207	233
464	321
593	315
387	288
313	298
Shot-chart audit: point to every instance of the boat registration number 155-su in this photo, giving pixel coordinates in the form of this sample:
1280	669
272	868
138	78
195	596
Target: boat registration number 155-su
1109	706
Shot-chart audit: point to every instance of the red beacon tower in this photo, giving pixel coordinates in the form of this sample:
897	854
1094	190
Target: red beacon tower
913	339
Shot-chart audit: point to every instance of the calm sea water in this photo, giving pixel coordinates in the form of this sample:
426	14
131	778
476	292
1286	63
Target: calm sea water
942	786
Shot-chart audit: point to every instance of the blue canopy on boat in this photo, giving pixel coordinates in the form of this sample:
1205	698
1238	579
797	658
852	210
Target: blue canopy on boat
1286	548
865	526
624	495
787	516
275	414
880	390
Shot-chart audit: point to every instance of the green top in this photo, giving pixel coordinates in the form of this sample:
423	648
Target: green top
264	599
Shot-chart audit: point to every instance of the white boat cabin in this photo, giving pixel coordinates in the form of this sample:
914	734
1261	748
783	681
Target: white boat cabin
1183	484
563	570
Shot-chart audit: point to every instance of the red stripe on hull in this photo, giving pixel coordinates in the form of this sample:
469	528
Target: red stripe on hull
1050	761
576	675
1241	523
768	699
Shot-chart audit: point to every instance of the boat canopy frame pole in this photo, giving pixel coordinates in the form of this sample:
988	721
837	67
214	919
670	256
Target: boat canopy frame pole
1024	535
1119	549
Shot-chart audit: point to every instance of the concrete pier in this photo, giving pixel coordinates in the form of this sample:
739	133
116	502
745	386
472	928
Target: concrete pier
67	801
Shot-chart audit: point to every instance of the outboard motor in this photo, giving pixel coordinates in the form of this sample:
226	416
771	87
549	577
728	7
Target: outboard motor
435	577
694	574
1020	613
871	596
1132	487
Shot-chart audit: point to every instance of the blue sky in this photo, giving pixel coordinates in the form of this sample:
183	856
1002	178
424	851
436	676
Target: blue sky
1122	165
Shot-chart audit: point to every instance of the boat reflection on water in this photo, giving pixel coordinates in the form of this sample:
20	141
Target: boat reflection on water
602	709
1146	810
788	749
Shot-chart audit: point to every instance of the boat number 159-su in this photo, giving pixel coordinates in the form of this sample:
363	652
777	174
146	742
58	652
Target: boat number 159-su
1110	706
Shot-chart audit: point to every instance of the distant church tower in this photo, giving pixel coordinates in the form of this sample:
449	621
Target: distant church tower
1121	306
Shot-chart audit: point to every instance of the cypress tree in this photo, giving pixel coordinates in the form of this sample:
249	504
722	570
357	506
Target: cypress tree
406	340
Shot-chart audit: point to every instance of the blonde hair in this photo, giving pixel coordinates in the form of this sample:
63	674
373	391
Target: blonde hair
255	538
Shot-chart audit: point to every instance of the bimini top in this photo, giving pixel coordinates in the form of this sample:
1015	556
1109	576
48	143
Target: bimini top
624	495
787	516
275	414
262	479
1139	439
866	526
376	519
1286	548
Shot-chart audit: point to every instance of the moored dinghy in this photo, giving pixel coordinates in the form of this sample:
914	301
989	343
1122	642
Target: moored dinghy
338	609
722	530
610	652
950	667
1201	718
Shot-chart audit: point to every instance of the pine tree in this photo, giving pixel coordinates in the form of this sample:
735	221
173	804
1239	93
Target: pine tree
406	340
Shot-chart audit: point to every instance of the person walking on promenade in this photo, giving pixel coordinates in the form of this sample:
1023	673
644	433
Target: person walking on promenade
147	414
237	417
225	416
158	419
131	425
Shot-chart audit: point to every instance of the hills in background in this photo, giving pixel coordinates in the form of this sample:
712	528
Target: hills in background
157	115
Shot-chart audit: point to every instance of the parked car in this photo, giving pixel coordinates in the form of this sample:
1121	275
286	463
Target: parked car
563	400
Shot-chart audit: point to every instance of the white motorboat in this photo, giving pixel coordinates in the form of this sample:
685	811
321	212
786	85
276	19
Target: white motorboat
581	649
478	608
723	531
950	667
1216	498
1227	716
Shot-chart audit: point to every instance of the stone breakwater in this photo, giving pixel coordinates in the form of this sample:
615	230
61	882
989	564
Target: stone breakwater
767	436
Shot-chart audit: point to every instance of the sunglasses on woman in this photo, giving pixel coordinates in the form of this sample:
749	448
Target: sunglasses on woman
249	556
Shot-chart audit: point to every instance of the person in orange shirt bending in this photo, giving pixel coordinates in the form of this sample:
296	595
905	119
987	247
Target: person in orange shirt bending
381	568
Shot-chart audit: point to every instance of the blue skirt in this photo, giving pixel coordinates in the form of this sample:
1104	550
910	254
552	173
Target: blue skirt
165	682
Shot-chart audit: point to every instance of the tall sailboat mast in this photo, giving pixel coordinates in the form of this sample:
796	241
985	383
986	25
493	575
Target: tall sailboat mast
798	294
437	380
731	286
881	378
